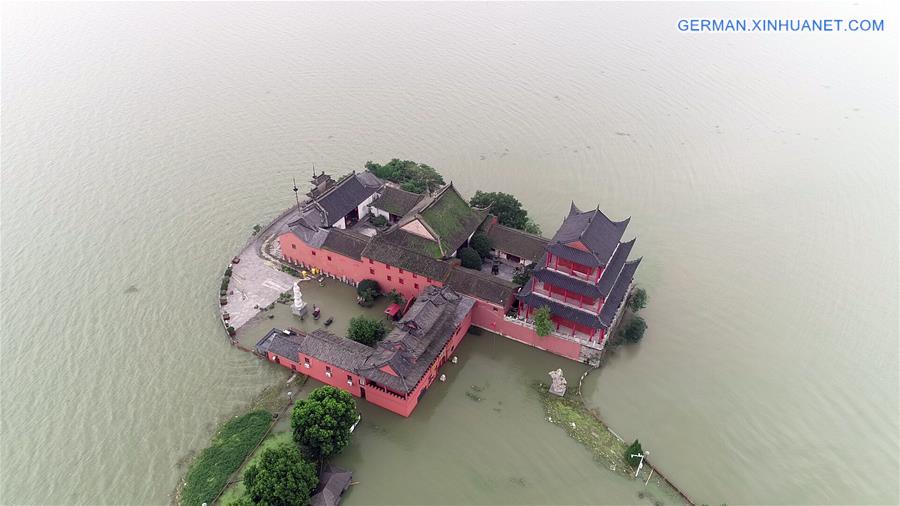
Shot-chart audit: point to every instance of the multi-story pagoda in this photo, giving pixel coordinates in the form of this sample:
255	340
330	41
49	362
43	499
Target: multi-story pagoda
583	278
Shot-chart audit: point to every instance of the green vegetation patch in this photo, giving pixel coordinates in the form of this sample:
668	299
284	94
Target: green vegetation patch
583	426
451	218
230	446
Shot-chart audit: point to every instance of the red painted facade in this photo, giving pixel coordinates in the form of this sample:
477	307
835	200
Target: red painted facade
376	394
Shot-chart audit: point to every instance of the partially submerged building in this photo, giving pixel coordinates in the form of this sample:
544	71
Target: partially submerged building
395	373
582	275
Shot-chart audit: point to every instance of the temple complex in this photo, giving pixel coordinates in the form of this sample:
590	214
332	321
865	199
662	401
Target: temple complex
582	275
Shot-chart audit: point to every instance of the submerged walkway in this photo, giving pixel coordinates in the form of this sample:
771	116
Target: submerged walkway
257	280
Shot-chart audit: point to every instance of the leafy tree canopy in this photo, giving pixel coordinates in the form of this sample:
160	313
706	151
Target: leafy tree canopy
507	208
638	300
281	476
481	244
543	325
368	285
633	449
469	258
634	330
367	331
321	422
411	176
522	277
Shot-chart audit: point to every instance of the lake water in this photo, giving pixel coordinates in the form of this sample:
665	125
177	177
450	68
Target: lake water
141	142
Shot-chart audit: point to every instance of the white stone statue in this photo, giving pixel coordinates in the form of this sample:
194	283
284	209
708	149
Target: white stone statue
557	383
298	307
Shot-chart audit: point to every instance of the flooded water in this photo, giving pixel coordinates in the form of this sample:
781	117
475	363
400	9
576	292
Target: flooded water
141	142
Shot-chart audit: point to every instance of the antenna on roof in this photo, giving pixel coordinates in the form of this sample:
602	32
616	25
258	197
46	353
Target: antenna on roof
296	195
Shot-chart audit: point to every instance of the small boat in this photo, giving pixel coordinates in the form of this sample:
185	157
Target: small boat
352	427
329	321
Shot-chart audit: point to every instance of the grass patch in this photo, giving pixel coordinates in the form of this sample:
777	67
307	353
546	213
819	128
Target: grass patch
209	473
236	491
583	426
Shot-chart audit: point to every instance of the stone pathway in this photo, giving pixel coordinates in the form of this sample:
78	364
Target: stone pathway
257	281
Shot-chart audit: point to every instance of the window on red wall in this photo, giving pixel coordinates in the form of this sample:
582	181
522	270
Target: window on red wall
387	267
293	246
401	270
371	271
314	253
416	285
329	258
414	275
401	281
389	278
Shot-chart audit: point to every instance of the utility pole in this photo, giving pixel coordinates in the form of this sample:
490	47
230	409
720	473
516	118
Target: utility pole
297	195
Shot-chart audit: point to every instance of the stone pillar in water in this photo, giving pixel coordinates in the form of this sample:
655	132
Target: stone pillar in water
557	383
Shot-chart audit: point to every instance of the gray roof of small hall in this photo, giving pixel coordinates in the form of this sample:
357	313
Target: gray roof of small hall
319	344
345	196
332	483
597	232
345	242
417	339
396	201
482	285
521	244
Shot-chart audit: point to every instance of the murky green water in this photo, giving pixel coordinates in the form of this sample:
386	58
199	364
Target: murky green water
141	142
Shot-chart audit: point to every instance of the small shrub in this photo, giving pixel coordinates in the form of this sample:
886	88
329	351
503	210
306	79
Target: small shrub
469	258
290	270
379	221
634	331
395	297
368	285
481	244
638	300
256	228
543	325
522	277
633	449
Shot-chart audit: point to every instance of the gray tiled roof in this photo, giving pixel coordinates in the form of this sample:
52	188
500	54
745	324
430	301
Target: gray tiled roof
332	483
417	339
594	230
319	344
619	292
570	313
346	242
519	243
482	285
393	247
345	196
396	201
611	273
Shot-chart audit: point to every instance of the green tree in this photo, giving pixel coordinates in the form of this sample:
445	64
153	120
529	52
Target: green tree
364	330
480	243
368	285
522	277
396	297
321	422
504	206
531	227
469	258
634	331
633	449
281	476
411	176
638	300
543	325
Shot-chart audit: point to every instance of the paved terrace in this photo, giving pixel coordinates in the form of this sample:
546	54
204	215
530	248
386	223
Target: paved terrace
257	280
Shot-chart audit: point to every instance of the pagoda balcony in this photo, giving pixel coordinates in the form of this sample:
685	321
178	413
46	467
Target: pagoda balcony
562	299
